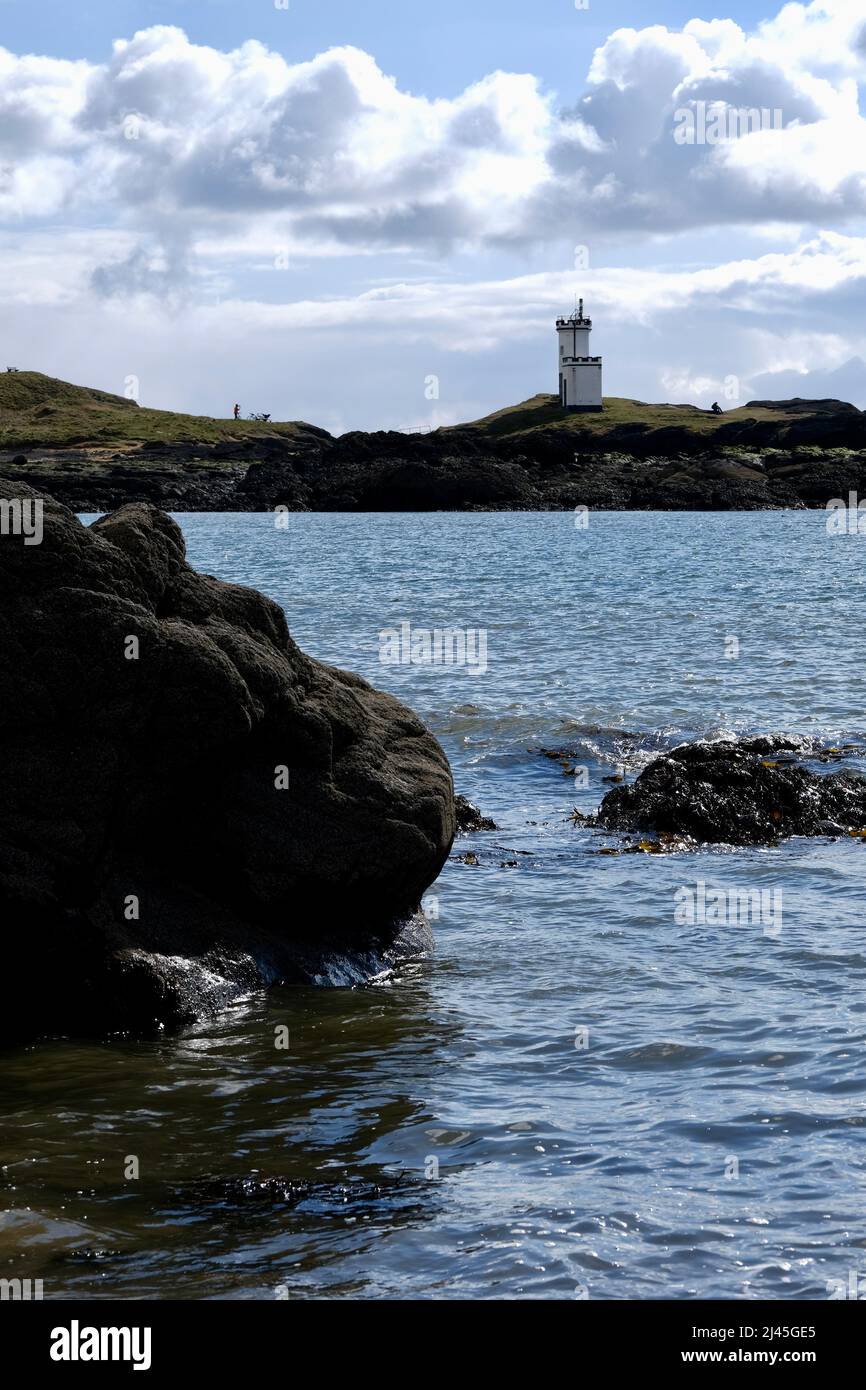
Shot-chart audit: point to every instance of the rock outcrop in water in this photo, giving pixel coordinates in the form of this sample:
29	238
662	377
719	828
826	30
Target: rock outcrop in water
469	818
191	806
744	792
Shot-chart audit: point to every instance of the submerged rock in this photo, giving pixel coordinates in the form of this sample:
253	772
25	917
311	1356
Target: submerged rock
744	792
191	806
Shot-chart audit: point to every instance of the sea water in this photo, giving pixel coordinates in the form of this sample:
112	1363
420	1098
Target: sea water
581	1094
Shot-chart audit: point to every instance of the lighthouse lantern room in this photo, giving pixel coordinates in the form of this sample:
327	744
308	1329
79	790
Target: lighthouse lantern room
579	374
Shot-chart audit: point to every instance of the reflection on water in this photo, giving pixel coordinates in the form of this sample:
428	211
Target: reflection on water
440	1134
255	1163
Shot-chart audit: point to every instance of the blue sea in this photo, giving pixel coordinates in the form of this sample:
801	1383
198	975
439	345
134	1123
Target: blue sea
576	1096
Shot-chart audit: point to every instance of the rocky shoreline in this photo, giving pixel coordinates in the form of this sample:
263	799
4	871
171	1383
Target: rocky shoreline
808	461
95	452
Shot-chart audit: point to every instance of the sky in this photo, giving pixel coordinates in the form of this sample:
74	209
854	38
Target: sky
368	216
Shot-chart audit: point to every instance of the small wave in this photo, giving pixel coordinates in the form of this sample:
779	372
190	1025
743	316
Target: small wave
756	1126
669	1054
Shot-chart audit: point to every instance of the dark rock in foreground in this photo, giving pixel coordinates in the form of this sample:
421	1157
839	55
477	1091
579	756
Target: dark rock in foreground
191	807
743	793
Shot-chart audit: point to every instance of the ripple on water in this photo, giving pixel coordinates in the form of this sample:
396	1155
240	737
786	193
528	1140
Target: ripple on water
444	1136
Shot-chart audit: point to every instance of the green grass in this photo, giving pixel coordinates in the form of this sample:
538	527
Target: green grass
545	412
40	411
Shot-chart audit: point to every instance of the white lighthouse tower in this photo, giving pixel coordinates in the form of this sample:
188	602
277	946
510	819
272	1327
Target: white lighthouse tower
579	374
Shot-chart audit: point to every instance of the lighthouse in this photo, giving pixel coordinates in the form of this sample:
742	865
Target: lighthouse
579	374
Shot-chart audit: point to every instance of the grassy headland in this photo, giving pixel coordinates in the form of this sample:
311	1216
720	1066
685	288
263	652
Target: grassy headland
619	413
39	411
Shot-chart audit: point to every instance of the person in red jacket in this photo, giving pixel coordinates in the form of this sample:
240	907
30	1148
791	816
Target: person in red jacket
237	412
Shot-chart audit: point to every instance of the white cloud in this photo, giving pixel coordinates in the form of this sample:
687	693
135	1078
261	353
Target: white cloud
177	175
817	282
184	142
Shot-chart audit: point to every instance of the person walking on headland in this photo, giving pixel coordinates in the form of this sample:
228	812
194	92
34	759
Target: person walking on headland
237	412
